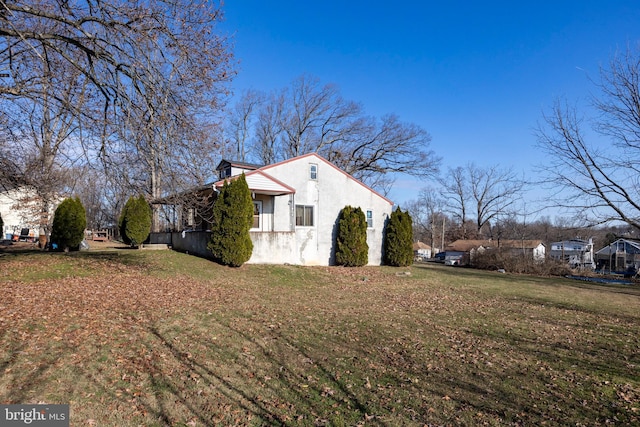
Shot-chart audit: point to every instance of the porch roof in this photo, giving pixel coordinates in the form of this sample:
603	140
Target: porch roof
261	183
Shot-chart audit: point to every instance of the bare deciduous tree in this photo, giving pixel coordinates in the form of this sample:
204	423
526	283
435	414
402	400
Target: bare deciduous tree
37	129
310	117
494	192
105	42
455	193
152	75
490	192
429	222
241	121
598	180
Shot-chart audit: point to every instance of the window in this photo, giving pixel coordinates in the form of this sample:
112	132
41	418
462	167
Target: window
370	219
257	213
313	171
191	217
225	173
304	216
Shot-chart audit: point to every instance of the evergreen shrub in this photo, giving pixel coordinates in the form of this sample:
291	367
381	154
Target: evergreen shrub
398	246
230	241
352	249
69	223
135	221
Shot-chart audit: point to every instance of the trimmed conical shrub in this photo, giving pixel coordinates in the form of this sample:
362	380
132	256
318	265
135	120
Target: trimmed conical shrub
135	221
69	222
230	241
398	247
352	249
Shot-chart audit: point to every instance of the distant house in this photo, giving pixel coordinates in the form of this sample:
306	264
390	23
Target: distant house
619	256
577	253
533	249
421	250
296	207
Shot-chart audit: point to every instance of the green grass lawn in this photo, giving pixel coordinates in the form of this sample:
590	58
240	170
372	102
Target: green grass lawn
131	338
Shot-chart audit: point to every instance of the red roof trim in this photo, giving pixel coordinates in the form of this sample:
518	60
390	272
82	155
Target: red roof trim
319	157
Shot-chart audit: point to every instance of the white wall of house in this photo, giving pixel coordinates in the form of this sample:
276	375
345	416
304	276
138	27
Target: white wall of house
326	190
283	220
19	210
539	252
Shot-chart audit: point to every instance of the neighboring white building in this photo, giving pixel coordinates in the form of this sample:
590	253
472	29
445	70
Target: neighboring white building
575	252
533	249
421	251
20	210
296	207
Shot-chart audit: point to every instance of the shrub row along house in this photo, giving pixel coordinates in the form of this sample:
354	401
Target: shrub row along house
297	203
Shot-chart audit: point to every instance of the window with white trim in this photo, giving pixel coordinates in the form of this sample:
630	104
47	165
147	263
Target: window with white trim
370	219
304	216
313	171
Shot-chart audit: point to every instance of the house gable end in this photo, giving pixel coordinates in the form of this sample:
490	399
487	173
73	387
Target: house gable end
314	157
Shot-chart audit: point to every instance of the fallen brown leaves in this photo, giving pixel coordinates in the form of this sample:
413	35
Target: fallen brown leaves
135	343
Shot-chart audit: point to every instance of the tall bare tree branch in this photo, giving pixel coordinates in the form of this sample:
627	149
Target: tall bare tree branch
598	180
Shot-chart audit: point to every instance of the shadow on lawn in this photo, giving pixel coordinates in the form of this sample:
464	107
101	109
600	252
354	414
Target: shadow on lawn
195	369
282	400
170	381
23	382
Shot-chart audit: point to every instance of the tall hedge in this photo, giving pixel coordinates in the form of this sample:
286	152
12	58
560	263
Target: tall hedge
69	223
230	241
135	221
398	247
352	249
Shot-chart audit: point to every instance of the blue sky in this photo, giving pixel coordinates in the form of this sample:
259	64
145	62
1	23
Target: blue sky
476	75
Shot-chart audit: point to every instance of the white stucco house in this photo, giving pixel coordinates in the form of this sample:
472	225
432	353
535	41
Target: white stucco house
296	207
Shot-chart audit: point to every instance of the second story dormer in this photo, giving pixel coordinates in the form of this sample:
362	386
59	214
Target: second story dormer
229	168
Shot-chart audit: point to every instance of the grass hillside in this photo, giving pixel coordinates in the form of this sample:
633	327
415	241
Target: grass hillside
131	338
